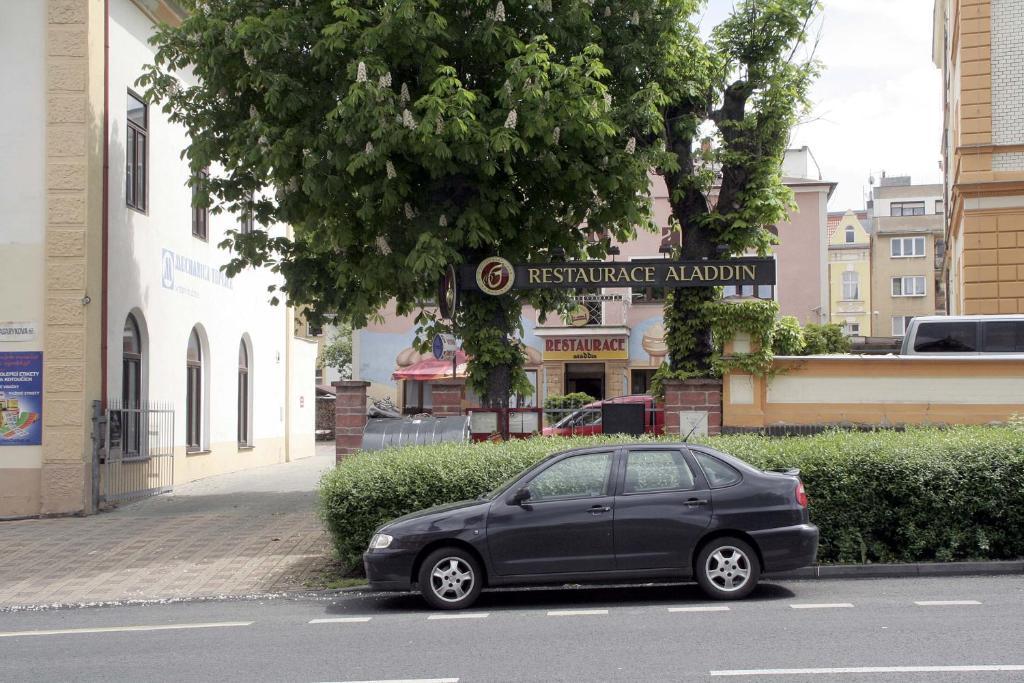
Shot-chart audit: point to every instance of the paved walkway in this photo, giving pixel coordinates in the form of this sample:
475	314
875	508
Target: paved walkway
248	532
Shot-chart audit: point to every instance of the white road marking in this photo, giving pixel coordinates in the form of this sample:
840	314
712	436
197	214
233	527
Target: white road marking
341	620
702	608
469	615
575	612
820	605
869	670
410	680
120	629
942	603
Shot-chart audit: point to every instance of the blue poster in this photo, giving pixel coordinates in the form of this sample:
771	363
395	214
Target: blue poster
21	398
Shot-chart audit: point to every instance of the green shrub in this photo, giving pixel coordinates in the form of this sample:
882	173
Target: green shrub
828	338
787	337
559	403
886	496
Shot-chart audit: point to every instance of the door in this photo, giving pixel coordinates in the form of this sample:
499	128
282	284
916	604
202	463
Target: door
565	526
662	508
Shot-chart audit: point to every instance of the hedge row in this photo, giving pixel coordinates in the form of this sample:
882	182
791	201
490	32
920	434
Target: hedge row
920	495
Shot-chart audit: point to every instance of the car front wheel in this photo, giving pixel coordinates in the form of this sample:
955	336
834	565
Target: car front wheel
727	569
450	578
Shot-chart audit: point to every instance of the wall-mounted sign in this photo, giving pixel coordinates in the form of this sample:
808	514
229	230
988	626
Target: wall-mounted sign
177	271
585	348
444	346
497	276
18	331
21	398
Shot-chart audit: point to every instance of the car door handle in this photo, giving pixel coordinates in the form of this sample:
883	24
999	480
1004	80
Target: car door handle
694	502
599	509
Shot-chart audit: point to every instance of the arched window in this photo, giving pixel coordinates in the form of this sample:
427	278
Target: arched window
131	385
243	395
194	396
851	234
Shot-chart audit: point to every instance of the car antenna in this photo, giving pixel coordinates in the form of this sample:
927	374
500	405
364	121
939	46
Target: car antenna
686	439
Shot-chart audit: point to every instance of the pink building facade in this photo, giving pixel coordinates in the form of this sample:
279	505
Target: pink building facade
615	340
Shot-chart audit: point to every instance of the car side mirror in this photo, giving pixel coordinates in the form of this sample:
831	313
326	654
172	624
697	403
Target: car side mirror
520	497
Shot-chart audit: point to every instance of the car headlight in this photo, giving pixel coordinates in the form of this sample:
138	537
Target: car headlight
380	541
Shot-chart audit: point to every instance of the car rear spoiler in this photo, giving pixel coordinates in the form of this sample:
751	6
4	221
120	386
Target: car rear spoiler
789	472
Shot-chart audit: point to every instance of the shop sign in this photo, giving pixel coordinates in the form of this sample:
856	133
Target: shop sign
444	347
496	275
585	348
18	331
21	398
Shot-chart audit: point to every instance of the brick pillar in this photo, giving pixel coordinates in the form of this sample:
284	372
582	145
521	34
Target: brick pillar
693	395
446	398
349	417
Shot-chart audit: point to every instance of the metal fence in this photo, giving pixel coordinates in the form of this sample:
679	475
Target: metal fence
587	421
133	451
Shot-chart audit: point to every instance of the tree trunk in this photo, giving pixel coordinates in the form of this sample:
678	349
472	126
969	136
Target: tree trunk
488	325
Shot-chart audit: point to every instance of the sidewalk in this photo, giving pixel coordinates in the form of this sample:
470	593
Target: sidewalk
248	532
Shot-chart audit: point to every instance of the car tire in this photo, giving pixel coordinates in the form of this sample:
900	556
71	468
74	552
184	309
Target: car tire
722	563
450	578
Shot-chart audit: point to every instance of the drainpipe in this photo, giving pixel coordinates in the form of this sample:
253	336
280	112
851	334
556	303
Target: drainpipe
105	229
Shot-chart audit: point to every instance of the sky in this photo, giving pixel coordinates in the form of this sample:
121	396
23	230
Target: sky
878	101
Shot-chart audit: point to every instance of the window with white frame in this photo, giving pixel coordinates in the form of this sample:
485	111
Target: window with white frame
851	285
906	209
851	234
900	324
851	329
908	285
906	247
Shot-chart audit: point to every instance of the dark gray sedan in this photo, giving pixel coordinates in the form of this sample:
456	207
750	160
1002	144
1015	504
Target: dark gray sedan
650	511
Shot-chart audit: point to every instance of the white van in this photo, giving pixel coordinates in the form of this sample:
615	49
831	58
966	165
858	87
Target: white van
964	335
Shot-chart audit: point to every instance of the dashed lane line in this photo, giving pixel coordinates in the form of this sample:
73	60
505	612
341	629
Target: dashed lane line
468	615
122	629
869	670
410	680
944	603
701	608
341	620
575	612
820	605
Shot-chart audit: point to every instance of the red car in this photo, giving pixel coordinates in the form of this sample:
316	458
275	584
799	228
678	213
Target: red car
586	421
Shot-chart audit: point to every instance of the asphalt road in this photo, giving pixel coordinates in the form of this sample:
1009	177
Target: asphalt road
971	628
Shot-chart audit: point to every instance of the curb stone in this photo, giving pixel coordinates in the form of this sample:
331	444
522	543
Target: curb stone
850	571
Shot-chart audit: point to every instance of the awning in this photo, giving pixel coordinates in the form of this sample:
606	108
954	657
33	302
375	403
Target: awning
431	369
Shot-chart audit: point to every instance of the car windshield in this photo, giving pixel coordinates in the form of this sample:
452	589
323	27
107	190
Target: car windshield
581	418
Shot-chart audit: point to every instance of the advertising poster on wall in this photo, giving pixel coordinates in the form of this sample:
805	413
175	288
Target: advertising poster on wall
21	398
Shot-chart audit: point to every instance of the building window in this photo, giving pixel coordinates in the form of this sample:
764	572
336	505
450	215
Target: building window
136	152
851	329
131	386
851	285
417	397
765	292
200	214
940	206
640	381
194	395
908	285
243	395
906	209
851	234
906	247
900	324
247	222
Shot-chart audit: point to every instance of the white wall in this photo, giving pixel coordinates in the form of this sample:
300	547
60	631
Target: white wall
174	299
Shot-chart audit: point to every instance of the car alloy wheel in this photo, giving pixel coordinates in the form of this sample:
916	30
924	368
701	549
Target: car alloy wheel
452	579
728	568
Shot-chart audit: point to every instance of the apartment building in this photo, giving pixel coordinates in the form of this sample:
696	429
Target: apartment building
849	265
979	45
906	253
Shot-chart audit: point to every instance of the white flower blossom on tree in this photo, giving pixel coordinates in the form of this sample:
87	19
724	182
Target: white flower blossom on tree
390	168
439	126
361	73
608	99
544	5
409	212
407	120
293	185
489	15
556	134
631	146
443	221
249	59
499	11
385	80
403	97
369	148
511	119
635	19
608	11
382	245
253	114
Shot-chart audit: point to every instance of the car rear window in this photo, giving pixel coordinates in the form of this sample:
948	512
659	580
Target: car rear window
951	337
1004	336
718	473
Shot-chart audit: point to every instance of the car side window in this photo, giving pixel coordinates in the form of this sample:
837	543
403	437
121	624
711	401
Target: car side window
650	471
718	473
579	476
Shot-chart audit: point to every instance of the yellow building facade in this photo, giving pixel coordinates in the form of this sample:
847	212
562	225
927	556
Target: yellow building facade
849	272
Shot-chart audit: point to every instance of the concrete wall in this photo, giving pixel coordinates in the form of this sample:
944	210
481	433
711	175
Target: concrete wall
877	390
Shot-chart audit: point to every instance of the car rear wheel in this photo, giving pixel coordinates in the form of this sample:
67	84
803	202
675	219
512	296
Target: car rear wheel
450	578
727	569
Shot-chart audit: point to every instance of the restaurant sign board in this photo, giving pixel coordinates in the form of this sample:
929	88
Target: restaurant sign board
585	348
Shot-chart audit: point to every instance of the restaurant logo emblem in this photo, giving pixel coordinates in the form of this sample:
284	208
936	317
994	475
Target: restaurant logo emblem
495	275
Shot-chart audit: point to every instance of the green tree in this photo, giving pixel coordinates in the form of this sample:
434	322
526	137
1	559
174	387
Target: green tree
733	100
337	353
399	136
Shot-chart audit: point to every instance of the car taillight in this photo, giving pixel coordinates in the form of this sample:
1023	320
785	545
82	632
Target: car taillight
801	494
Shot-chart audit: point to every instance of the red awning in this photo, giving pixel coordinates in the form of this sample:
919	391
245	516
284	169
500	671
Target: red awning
430	369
